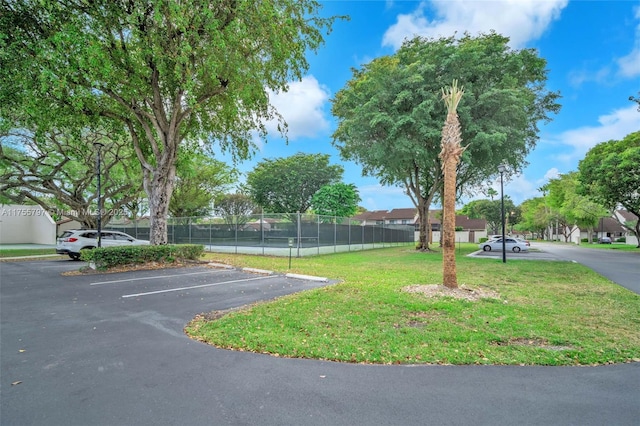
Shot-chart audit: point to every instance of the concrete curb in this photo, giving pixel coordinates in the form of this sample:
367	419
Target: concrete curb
307	277
257	271
220	265
37	256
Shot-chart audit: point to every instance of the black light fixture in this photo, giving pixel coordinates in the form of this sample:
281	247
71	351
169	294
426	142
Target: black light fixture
98	146
502	168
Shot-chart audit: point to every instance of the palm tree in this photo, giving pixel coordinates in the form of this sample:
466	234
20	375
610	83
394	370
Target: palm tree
492	193
450	155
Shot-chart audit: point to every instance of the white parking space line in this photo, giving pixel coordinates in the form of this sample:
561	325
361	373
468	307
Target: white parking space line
193	287
155	277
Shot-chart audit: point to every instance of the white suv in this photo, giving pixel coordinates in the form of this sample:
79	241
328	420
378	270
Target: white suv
74	240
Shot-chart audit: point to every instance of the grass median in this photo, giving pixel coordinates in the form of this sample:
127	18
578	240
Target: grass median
11	252
542	313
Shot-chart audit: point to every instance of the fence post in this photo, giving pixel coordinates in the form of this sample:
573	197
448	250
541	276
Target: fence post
335	234
299	234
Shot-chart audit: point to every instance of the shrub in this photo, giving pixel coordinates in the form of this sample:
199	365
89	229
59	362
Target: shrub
584	240
483	240
621	240
108	257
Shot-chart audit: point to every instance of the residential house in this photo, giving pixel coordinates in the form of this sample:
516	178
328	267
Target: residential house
612	227
472	229
623	216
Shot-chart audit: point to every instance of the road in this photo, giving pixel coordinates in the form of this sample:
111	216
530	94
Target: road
621	267
110	350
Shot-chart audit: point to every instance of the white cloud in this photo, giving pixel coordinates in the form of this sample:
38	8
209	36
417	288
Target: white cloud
378	197
521	20
302	108
630	64
552	173
615	125
578	78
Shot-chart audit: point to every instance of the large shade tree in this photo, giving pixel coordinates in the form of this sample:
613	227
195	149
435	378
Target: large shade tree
57	170
235	208
200	179
610	175
536	216
287	185
491	211
573	210
164	70
390	113
338	200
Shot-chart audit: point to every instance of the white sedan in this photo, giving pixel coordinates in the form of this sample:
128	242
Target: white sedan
510	244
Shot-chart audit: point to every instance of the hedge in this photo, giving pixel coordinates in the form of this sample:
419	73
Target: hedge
108	257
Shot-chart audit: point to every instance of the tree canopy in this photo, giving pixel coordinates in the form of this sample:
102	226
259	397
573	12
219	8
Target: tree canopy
339	200
390	114
571	209
610	175
165	71
235	209
200	179
57	170
489	210
287	185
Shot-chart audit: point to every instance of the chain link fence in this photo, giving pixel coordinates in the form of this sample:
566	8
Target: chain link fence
275	234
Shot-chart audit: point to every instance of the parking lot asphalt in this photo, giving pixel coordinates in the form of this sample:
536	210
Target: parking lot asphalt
109	349
620	267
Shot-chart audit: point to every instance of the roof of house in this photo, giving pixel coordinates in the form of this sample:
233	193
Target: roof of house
628	216
372	215
609	224
471	224
411	213
408	213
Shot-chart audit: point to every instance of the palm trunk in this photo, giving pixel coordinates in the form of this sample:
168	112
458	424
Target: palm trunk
449	224
450	155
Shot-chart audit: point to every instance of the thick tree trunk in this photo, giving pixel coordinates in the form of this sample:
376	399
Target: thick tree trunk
424	224
159	187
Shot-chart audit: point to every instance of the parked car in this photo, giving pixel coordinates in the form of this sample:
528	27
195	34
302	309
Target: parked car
74	240
511	244
604	240
524	241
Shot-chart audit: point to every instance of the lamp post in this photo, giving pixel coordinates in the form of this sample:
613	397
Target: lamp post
98	146
502	168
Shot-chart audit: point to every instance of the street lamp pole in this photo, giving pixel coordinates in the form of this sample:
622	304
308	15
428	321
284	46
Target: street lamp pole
501	169
98	146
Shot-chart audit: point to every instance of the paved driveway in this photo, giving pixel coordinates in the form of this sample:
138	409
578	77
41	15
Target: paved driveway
109	350
621	267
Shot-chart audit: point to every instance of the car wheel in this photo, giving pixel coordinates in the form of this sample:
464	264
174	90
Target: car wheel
74	256
486	248
516	249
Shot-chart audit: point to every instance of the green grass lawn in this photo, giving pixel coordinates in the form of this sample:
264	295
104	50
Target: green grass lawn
547	313
614	246
25	252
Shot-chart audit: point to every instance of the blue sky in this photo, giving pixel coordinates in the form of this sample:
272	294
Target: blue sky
592	50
